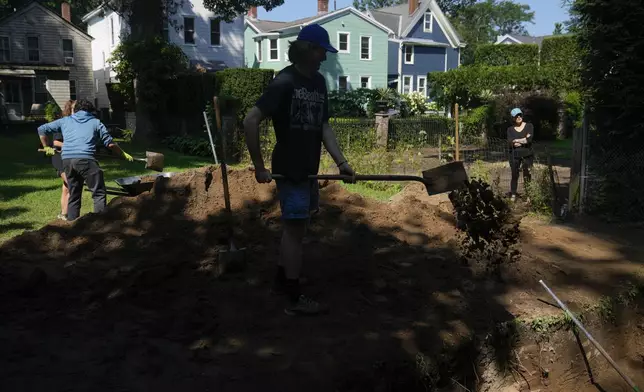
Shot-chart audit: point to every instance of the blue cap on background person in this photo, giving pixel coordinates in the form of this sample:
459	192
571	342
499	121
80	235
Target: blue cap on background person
515	112
316	34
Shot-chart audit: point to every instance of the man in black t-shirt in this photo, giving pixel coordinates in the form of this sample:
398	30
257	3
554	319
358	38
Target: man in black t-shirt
297	102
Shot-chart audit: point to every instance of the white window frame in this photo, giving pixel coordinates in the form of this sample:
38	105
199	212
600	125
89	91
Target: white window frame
258	51
411	84
413	54
431	22
62	46
424	79
270	49
370	47
348	82
368	83
348	34
39	48
194	31
220	32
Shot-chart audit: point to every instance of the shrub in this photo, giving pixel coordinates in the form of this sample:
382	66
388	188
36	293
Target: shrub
189	145
468	85
416	102
496	55
352	103
560	57
574	108
246	84
52	111
490	233
539	190
475	122
540	108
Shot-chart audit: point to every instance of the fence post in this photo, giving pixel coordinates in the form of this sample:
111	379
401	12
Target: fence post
382	129
457	154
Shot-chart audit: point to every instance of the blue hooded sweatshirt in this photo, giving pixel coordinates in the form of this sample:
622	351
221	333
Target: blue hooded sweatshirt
81	133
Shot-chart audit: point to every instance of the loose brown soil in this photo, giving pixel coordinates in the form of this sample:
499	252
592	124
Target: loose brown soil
131	299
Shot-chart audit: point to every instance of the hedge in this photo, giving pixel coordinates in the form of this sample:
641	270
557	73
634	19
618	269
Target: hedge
561	57
497	55
245	84
467	84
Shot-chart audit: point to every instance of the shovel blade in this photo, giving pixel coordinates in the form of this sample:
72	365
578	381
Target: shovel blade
445	178
154	161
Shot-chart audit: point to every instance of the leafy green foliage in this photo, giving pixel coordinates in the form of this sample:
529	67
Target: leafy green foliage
417	103
189	145
150	62
364	5
490	231
560	56
494	55
574	107
245	84
559	29
540	108
539	190
362	102
475	122
466	85
481	22
52	111
230	9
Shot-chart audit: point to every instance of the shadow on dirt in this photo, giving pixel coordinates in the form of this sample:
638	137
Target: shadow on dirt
130	299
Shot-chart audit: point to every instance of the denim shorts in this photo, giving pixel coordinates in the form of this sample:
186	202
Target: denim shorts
298	200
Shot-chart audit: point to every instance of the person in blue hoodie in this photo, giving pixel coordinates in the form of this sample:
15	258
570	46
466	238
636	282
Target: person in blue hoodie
81	132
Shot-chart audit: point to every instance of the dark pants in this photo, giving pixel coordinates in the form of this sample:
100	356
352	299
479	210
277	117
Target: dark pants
516	163
80	171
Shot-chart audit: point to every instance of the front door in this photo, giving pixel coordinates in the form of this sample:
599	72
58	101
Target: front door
13	99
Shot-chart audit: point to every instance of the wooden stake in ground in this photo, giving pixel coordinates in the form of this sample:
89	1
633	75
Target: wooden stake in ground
457	155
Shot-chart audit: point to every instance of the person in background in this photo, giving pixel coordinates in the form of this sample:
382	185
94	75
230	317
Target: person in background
520	135
81	133
57	162
297	102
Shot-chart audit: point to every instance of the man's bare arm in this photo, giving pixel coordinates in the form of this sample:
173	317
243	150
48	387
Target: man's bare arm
331	144
251	130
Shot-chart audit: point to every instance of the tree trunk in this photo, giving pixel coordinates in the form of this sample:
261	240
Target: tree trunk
146	19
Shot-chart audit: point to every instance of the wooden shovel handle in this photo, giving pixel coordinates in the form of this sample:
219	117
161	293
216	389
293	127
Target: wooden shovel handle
101	155
370	177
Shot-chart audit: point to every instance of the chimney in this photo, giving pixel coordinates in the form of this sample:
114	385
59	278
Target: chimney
66	11
413	6
323	7
252	13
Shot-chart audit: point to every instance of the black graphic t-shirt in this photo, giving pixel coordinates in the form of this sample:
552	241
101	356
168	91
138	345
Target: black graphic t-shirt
298	107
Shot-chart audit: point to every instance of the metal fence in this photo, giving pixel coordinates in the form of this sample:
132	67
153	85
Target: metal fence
431	131
611	179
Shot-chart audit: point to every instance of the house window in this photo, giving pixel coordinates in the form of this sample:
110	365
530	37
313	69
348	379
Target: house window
409	54
365	82
5	49
406	84
72	90
12	92
215	32
343	42
165	31
68	48
365	48
33	48
428	24
421	86
273	47
40	90
343	83
259	51
112	34
189	31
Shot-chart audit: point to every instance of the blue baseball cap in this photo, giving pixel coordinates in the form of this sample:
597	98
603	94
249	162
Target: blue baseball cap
515	112
316	34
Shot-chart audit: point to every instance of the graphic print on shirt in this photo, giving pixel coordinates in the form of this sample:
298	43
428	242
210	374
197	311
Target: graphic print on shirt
307	109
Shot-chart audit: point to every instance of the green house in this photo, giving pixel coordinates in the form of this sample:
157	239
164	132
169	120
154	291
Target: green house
362	45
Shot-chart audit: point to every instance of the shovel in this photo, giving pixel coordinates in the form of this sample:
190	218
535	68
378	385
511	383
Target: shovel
153	160
232	258
444	178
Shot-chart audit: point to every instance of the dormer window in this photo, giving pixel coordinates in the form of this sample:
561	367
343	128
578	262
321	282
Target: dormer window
428	25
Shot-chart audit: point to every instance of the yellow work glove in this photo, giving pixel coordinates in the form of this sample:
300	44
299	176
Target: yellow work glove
127	157
49	151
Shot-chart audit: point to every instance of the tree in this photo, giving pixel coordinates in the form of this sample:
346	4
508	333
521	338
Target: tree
364	5
454	7
481	22
558	29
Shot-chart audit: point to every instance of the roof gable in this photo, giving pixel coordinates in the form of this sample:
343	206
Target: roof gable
35	4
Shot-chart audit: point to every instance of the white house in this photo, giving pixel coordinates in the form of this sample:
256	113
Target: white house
209	43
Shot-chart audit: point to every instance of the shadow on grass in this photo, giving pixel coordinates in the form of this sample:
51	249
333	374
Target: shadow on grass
11	192
6	227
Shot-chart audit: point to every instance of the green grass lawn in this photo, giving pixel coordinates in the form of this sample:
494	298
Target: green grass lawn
30	190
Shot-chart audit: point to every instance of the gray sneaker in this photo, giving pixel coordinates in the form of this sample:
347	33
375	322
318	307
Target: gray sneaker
306	307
